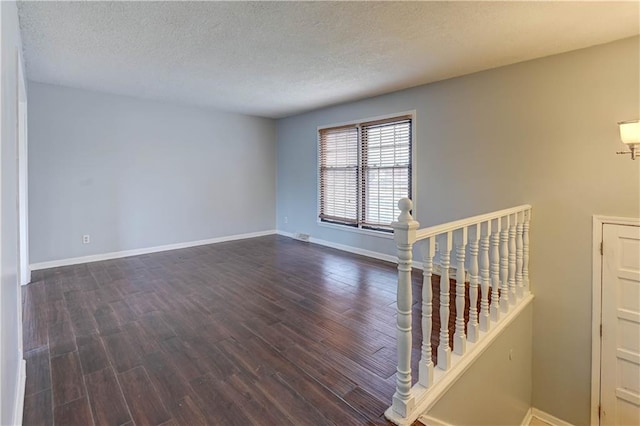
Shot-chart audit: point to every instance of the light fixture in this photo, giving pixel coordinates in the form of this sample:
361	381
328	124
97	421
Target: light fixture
630	135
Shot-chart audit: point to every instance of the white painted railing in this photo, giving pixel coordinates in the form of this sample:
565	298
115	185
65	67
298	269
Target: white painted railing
491	253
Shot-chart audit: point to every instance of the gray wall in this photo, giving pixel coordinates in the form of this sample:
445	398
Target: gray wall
136	174
541	132
496	390
10	326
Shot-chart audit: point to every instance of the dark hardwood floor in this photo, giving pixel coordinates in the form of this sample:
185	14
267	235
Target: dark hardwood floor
266	331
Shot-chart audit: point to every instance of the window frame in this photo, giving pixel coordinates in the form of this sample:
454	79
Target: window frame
360	228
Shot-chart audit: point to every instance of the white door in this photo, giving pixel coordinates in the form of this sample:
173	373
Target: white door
620	351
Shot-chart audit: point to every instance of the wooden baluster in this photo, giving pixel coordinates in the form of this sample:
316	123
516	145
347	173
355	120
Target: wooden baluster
459	337
404	234
485	279
472	325
512	259
495	272
444	350
519	257
504	266
425	372
525	246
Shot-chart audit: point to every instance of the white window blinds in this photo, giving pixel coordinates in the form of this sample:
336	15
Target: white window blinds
339	175
386	170
364	170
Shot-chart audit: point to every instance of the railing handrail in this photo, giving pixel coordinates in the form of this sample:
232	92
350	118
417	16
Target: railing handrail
496	257
431	231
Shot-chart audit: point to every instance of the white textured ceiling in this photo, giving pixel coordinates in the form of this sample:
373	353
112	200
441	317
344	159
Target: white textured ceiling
275	59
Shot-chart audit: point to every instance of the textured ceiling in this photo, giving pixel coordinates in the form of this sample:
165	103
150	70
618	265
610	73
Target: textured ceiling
275	59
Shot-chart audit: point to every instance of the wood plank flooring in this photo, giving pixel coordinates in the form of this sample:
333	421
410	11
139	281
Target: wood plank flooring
265	331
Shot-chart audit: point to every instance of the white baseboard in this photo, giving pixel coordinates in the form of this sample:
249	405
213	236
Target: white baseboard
343	247
437	268
136	252
527	417
526	420
18	408
548	418
432	421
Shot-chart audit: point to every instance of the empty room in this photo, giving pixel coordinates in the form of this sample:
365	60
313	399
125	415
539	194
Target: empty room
320	213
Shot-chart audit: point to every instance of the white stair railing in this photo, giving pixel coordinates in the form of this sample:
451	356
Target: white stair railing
494	249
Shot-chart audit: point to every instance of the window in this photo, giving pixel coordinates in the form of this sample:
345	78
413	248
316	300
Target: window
365	168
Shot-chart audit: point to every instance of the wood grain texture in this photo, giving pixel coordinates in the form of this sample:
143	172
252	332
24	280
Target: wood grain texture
38	409
66	378
166	378
73	413
266	331
123	354
107	402
38	370
187	412
34	316
146	408
92	354
61	334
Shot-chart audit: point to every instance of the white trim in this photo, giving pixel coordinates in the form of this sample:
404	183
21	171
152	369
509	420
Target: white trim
414	164
443	380
432	421
343	247
18	408
136	252
370	232
526	420
596	306
548	418
24	273
527	417
414	170
366	120
423	233
437	268
596	318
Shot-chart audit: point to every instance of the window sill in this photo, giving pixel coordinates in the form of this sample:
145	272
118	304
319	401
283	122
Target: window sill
370	232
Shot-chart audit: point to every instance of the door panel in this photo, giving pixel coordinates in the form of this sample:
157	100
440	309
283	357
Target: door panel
620	352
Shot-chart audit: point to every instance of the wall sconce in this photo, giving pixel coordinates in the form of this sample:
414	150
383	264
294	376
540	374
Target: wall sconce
630	135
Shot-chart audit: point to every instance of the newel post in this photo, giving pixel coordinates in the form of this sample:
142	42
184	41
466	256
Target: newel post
404	234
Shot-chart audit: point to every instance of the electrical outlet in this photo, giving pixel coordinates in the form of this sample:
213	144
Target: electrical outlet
86	239
437	247
286	219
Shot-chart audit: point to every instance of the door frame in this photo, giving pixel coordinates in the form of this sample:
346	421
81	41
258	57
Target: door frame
24	271
596	305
